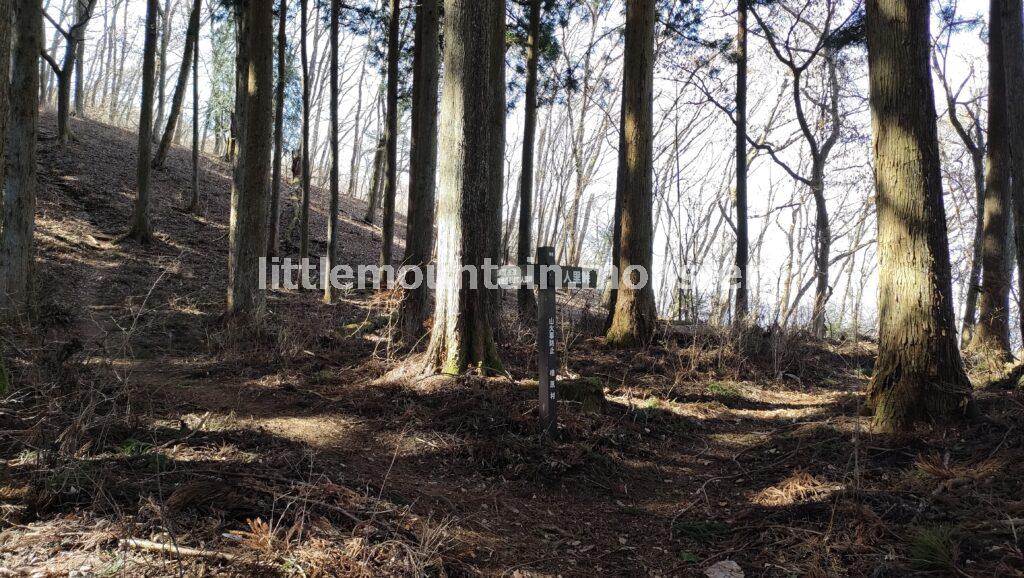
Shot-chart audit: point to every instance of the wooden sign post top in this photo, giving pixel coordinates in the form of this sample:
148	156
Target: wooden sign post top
547	277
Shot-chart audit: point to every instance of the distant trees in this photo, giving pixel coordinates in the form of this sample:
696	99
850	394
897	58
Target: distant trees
17	222
821	132
992	331
972	137
73	37
247	238
919	375
633	314
191	42
471	172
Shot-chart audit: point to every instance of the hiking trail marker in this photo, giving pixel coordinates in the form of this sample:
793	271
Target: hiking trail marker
547	278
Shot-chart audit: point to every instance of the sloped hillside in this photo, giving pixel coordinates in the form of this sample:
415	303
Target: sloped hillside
138	441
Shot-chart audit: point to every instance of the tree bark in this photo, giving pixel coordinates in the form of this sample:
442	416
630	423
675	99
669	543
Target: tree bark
193	204
332	217
992	332
19	54
1013	61
191	39
161	70
471	170
742	235
391	174
419	239
273	243
919	375
524	247
80	59
141	229
248	226
304	221
634	318
974	279
376	181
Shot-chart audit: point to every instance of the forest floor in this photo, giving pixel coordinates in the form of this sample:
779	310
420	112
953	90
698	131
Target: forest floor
133	425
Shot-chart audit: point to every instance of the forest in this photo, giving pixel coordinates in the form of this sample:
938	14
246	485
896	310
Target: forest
520	288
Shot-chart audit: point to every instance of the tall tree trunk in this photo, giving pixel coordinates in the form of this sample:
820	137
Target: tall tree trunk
471	169
822	248
332	217
141	229
1013	61
391	174
376	181
193	204
974	277
992	333
161	70
275	185
635	316
304	221
248	228
742	235
919	376
191	39
524	248
81	6
19	55
419	238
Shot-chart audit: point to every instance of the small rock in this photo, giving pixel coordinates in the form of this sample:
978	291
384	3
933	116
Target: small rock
724	569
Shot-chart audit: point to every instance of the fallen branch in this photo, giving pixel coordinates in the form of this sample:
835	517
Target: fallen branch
149	546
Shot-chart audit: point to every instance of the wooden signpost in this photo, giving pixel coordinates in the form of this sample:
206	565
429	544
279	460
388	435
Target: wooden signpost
547	278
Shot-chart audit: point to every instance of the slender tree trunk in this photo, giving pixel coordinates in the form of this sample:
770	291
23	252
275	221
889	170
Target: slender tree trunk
80	58
419	241
974	278
471	169
191	39
524	248
161	70
919	376
142	230
391	175
1013	61
742	236
377	181
19	56
992	333
304	221
332	217
275	186
822	249
248	230
193	204
634	318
